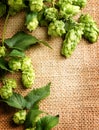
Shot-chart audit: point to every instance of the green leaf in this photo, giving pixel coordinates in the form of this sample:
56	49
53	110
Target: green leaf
16	53
4	64
47	122
21	41
45	43
16	101
37	95
32	117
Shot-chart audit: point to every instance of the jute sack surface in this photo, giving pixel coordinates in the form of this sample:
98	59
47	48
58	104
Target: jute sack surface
75	81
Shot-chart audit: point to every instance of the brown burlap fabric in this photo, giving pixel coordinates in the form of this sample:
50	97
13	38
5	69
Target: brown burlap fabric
75	81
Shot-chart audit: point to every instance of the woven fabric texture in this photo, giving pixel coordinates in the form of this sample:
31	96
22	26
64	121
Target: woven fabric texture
75	81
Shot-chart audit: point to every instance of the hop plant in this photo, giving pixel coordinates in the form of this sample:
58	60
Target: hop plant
15	6
28	73
2	9
51	14
81	3
36	5
91	30
68	10
10	82
2	51
56	28
15	64
19	117
31	21
6	92
72	39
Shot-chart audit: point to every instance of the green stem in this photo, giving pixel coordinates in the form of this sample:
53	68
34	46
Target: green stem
4	29
53	2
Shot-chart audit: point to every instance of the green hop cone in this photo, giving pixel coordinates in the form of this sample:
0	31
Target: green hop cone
36	5
91	30
6	92
2	9
72	39
51	14
28	73
81	3
19	117
26	63
15	6
68	10
30	129
15	64
31	21
56	28
2	51
28	77
10	82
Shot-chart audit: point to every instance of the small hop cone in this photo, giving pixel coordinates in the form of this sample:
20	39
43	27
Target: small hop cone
80	3
36	5
28	73
72	39
19	117
15	6
56	28
68	10
31	21
51	14
15	64
10	82
6	92
2	51
91	30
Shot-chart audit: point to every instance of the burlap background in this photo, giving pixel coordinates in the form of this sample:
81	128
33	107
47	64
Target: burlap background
75	81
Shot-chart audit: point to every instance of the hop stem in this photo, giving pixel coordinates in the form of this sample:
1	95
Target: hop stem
4	29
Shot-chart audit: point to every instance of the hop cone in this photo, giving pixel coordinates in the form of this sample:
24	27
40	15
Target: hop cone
36	5
2	51
56	28
81	3
15	64
10	82
6	92
68	10
51	14
28	73
15	6
31	21
91	30
19	117
72	39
